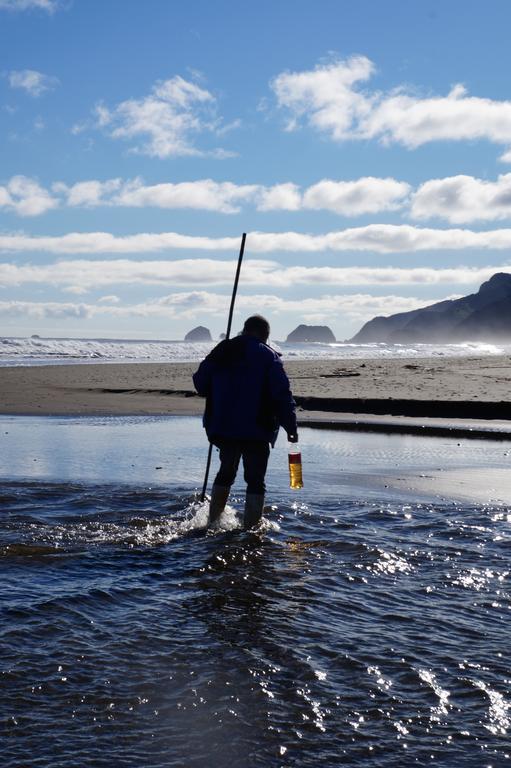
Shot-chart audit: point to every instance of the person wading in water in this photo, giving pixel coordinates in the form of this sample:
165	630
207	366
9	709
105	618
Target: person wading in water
248	398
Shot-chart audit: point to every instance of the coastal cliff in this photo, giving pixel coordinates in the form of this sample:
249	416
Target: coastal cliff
481	316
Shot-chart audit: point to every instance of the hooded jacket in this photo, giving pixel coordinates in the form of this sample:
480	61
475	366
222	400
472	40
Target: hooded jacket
247	392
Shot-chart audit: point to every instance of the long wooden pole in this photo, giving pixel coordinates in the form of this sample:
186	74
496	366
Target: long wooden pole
227	336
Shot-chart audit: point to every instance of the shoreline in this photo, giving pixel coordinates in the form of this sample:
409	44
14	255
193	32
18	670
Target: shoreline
466	397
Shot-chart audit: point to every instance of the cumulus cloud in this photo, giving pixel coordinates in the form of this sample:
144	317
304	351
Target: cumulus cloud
31	81
456	199
26	197
462	199
373	238
326	97
353	198
330	99
280	197
88	194
347	198
85	274
23	5
206	194
166	122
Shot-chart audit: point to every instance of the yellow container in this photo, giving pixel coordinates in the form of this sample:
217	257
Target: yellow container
295	468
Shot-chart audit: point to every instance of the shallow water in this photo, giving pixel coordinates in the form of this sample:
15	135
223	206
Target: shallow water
361	625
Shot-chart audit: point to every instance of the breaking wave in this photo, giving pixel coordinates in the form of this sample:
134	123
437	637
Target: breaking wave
36	350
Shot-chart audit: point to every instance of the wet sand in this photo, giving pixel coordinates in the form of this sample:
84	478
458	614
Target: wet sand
470	393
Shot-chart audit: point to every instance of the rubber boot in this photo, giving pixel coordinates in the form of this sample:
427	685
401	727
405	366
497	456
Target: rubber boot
254	503
219	496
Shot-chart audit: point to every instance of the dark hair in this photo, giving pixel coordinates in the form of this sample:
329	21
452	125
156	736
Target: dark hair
257	325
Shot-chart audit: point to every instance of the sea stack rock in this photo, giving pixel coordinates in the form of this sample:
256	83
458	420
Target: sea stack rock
198	334
318	333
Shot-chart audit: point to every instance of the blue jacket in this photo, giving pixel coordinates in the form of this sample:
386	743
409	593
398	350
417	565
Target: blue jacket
247	391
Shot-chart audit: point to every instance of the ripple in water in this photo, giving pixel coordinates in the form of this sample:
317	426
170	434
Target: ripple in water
340	633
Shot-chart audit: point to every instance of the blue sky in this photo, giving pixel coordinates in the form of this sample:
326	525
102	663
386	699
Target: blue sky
365	148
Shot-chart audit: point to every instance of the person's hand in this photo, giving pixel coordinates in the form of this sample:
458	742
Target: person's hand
292	438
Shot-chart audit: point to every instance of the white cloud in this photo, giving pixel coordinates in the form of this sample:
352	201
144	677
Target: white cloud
87	274
26	197
206	194
348	198
354	198
325	96
110	299
373	238
105	242
330	100
22	5
87	193
5	198
280	197
167	121
49	309
82	275
357	307
31	81
456	199
462	199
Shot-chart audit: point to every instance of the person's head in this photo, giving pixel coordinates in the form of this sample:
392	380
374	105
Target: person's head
257	326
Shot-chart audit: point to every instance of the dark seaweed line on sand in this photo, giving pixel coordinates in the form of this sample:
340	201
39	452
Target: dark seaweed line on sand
390	428
442	409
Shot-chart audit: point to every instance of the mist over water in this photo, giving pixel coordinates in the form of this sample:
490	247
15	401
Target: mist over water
362	624
44	351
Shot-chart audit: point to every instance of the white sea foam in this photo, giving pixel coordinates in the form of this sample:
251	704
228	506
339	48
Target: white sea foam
43	351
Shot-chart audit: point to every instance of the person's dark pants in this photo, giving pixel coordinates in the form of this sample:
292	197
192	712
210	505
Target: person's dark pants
255	454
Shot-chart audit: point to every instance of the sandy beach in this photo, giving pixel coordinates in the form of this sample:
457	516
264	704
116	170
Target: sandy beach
470	393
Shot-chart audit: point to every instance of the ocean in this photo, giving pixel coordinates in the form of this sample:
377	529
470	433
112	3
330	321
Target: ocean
35	350
365	623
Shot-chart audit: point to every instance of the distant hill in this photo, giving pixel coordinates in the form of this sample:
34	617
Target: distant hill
482	316
321	333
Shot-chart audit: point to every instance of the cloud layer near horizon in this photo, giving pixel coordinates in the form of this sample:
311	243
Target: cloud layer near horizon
358	307
82	275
